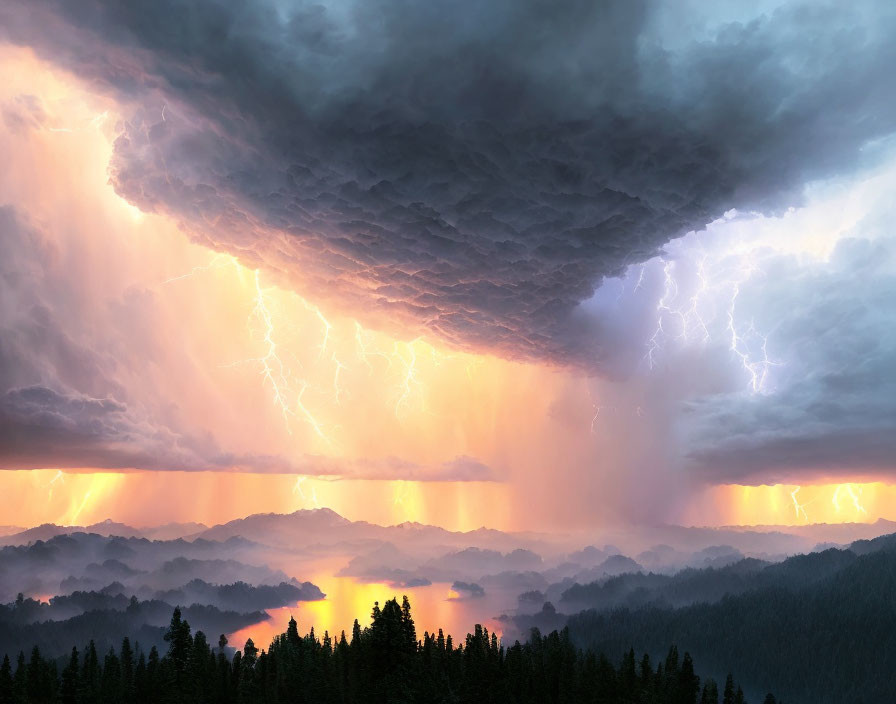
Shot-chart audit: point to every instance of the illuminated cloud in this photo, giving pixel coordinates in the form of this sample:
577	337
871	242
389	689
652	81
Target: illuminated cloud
763	347
472	171
43	428
63	402
832	411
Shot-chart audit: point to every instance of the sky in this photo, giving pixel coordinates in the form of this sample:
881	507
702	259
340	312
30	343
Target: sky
526	265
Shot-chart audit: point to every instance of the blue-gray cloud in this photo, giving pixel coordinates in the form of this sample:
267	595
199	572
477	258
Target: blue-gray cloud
833	408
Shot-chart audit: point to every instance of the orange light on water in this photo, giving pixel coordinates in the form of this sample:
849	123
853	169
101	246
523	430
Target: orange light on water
349	599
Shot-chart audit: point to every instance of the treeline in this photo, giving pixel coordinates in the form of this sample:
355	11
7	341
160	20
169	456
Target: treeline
832	641
382	663
27	621
709	584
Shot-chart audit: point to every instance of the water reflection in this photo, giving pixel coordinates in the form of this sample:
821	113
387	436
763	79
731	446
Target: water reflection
348	599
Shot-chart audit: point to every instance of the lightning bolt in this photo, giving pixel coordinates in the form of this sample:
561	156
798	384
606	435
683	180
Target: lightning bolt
218	261
58	477
621	291
98	120
739	345
272	369
95	122
692	316
797	506
337	389
401	494
327	327
663	307
297	489
640	282
409	380
274	372
292	394
681	318
597	412
309	416
80	508
364	345
835	499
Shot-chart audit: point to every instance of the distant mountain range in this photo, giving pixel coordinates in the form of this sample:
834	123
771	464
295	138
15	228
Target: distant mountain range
13	535
318	528
310	529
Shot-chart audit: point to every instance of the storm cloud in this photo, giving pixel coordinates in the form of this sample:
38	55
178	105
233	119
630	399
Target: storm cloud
68	398
472	171
833	409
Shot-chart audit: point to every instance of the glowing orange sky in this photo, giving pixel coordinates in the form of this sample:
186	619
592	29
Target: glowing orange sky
791	504
30	497
259	366
265	371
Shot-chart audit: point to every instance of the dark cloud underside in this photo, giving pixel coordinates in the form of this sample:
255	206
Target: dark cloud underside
471	169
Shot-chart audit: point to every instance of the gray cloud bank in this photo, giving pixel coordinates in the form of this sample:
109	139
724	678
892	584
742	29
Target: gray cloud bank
834	406
471	170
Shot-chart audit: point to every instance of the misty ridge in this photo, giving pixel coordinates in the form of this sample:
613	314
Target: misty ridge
269	549
105	620
82	561
815	629
77	584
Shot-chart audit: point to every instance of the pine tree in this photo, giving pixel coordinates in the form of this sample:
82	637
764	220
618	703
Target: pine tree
19	679
71	684
153	672
6	688
127	670
728	694
110	682
40	683
247	691
90	675
688	682
141	682
382	664
710	694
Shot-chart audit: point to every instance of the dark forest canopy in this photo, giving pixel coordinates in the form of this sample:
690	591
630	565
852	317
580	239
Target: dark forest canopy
816	629
385	662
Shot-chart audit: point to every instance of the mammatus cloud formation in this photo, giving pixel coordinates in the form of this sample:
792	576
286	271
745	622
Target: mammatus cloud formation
472	171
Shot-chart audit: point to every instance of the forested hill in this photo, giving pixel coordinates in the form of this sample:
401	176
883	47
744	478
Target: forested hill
382	663
822	630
